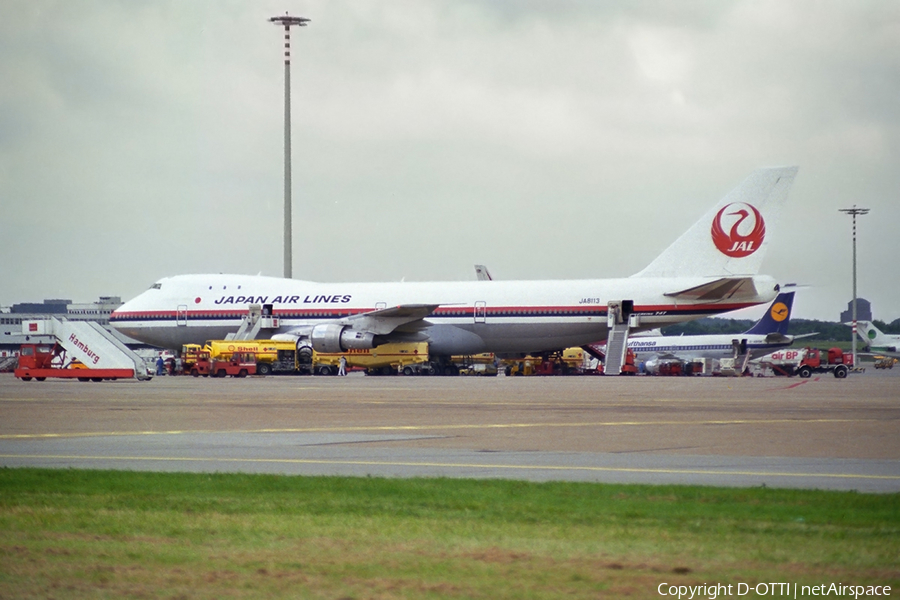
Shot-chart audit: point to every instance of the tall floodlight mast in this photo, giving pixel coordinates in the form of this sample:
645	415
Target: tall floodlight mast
287	21
854	212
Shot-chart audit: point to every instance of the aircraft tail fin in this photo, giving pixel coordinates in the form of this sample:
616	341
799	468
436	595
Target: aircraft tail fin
482	273
732	237
871	334
777	318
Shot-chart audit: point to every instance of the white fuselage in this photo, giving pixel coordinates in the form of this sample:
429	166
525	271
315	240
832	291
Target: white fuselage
689	347
472	317
885	346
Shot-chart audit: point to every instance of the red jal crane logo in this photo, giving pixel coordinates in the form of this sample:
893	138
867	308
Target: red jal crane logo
735	243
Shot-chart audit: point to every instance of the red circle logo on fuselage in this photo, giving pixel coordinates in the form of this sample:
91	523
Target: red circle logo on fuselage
746	230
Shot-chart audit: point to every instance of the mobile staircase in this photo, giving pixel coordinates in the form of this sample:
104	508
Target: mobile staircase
741	355
83	350
258	317
619	323
8	363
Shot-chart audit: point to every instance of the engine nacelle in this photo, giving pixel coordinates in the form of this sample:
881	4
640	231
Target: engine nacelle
357	340
333	338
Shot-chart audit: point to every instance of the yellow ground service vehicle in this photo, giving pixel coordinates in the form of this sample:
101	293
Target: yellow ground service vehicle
521	366
271	356
387	359
573	357
189	356
885	362
478	364
570	361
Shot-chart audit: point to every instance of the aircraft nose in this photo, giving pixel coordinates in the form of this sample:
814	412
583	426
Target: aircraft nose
114	318
117	317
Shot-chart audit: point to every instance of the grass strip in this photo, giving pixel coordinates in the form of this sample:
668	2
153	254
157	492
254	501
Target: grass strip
123	534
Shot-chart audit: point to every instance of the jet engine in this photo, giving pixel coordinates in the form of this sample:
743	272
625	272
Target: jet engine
331	338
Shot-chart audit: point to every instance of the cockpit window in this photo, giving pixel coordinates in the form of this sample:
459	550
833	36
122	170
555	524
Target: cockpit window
156	286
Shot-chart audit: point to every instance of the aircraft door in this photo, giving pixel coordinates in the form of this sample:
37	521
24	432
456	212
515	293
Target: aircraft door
481	311
619	311
181	315
738	347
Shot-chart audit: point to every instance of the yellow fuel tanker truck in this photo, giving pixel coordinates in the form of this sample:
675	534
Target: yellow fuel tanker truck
284	357
387	359
271	356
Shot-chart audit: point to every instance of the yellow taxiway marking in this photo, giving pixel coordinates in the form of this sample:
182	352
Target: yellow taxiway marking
377	463
449	427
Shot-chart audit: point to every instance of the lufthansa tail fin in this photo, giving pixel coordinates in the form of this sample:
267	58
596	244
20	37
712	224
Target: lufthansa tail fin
732	237
777	318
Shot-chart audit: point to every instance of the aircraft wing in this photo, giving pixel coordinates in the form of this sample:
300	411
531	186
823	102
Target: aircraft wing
723	288
776	337
385	320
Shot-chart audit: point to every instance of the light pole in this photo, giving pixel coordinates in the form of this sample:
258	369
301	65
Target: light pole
287	21
854	212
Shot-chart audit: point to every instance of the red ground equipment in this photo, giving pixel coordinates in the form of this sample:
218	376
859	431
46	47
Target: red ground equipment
96	353
818	361
40	361
628	367
240	364
813	360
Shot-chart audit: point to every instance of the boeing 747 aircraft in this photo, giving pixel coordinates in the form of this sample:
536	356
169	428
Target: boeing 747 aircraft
712	268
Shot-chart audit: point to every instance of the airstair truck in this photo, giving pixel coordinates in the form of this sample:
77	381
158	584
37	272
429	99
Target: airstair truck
101	356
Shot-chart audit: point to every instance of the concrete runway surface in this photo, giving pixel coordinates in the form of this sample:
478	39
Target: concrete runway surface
818	433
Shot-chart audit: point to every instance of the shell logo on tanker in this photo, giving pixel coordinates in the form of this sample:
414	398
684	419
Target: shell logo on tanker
746	233
779	311
251	348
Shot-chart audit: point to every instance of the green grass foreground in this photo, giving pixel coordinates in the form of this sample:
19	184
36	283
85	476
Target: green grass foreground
114	534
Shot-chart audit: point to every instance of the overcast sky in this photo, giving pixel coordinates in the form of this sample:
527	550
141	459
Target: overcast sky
547	140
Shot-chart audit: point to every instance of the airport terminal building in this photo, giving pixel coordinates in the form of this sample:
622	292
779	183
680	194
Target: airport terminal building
11	335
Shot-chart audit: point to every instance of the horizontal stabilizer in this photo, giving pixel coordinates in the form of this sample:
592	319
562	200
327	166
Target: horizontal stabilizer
805	335
725	288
